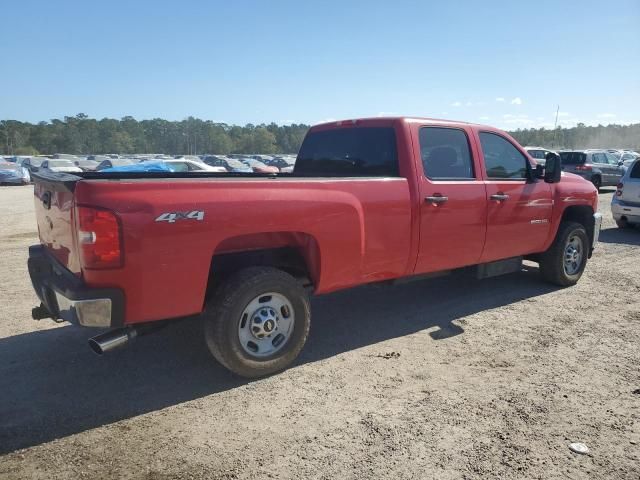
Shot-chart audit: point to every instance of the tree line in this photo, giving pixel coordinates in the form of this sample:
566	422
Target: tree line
83	135
582	136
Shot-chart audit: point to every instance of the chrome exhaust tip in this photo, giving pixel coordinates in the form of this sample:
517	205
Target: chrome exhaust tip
107	341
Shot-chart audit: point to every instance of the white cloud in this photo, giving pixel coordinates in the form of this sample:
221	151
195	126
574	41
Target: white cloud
387	114
606	115
484	117
468	104
520	115
516	101
324	120
456	104
500	99
564	114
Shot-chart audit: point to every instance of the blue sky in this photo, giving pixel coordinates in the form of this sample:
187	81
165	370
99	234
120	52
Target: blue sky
504	63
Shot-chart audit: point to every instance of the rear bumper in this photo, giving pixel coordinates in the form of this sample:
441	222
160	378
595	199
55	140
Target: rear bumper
65	296
620	209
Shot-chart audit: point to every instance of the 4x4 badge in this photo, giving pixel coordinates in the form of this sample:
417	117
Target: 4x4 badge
172	217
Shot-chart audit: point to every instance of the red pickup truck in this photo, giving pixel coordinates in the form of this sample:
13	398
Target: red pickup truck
369	200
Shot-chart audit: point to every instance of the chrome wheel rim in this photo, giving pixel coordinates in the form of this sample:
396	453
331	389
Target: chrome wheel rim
573	253
266	324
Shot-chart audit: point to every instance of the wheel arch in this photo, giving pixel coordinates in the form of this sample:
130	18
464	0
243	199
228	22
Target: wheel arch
582	214
297	253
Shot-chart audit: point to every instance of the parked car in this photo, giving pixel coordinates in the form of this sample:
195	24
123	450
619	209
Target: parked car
13	174
86	165
628	157
371	200
539	154
259	167
114	162
64	156
98	158
231	164
32	164
280	163
59	166
625	204
600	167
186	165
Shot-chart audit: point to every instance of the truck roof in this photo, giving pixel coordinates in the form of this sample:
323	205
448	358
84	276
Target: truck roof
393	119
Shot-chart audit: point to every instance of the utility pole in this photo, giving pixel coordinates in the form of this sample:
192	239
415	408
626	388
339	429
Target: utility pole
555	127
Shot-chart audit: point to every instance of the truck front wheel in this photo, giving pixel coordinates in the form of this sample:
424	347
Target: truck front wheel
566	258
257	322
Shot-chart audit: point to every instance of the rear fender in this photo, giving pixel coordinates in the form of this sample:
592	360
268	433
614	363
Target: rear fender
297	253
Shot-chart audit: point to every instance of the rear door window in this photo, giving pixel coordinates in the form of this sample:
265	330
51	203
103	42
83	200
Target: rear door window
445	154
349	152
598	157
502	160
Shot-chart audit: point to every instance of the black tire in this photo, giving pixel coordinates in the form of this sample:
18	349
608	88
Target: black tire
622	223
224	312
597	182
552	266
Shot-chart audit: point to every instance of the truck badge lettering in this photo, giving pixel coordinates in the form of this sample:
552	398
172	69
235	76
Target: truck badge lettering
173	217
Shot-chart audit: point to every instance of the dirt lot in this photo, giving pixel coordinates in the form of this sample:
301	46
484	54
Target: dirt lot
447	378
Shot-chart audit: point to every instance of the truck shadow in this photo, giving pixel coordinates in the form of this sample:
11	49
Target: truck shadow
52	386
627	236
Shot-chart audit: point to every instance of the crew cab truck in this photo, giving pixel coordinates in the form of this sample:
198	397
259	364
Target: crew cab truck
369	200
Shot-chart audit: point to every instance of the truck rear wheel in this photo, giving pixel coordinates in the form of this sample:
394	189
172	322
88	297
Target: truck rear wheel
566	258
257	322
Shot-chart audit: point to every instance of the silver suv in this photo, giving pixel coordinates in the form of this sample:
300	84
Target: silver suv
625	205
539	154
600	167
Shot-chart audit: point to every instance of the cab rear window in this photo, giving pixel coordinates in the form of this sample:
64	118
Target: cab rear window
349	152
635	171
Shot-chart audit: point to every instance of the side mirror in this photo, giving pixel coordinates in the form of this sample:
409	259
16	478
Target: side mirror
553	169
620	163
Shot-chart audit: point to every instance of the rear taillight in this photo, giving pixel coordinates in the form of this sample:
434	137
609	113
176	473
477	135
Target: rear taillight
98	238
584	168
619	189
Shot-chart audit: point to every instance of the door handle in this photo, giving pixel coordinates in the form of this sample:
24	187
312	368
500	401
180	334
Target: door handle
437	198
501	197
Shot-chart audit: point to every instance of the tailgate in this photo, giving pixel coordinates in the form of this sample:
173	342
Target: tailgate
54	206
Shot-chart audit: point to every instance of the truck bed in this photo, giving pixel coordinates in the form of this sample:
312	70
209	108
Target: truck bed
357	218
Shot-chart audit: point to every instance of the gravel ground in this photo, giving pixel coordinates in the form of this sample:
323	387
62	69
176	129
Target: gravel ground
446	378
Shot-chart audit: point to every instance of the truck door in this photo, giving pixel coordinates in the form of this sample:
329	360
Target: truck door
453	207
519	208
